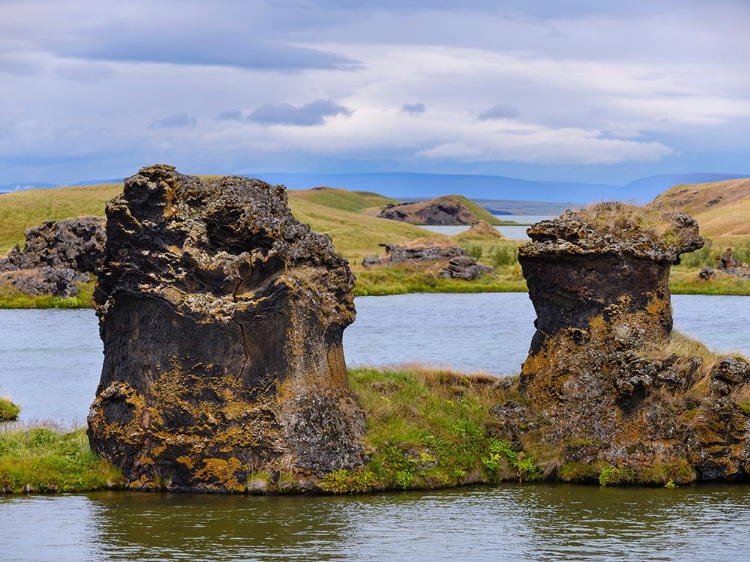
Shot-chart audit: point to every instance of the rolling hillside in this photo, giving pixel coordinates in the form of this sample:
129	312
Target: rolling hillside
721	208
337	212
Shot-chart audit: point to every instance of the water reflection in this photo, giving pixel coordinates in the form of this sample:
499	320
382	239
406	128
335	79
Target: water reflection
504	523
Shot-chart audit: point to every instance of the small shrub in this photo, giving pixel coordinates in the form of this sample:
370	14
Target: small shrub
503	255
475	252
8	410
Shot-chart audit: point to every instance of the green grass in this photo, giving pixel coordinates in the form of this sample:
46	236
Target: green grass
410	278
686	282
8	410
23	209
341	199
425	429
16	299
46	459
429	429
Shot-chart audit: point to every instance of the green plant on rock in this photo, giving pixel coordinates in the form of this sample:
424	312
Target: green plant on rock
524	465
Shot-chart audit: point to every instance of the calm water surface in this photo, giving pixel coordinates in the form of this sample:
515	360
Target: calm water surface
510	232
510	522
51	362
51	359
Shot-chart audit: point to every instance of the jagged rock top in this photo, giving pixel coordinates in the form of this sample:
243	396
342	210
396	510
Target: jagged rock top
216	241
615	228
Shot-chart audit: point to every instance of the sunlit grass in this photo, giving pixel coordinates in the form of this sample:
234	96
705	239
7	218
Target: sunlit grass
50	459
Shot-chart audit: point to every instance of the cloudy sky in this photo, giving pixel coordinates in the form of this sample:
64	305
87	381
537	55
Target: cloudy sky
581	90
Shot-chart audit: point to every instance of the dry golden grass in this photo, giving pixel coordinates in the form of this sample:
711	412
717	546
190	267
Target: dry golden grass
721	208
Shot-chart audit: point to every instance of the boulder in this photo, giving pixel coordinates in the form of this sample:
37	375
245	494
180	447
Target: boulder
56	256
457	264
222	320
46	280
420	250
466	268
76	244
603	384
447	210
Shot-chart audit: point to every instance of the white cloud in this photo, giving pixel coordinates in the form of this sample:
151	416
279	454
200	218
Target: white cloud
580	83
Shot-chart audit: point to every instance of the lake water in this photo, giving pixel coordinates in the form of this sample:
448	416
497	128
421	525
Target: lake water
510	232
50	365
51	359
503	523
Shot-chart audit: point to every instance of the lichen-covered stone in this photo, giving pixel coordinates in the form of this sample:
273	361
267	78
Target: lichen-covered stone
602	385
222	319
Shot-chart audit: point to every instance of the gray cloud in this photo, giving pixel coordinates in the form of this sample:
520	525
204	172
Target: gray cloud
230	115
413	108
310	114
87	73
176	121
500	111
12	64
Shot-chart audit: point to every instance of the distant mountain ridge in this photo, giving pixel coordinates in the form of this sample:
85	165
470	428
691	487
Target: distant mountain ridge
476	187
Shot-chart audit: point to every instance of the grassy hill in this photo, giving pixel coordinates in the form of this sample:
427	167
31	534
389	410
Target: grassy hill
415	210
343	200
336	212
721	208
23	209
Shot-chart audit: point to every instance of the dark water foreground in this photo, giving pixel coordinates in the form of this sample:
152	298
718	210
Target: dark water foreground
511	522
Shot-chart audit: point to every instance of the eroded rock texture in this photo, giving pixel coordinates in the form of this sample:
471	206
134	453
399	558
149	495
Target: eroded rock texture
453	261
222	319
604	384
56	256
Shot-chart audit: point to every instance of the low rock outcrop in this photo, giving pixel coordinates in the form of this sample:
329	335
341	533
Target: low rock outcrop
456	263
222	319
446	210
481	230
605	388
56	256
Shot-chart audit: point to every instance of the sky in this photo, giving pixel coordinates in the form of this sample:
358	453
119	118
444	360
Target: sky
583	90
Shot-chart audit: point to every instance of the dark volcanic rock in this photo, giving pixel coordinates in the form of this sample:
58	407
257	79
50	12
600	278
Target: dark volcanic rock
71	243
420	250
604	385
457	263
55	257
439	211
46	280
222	319
465	267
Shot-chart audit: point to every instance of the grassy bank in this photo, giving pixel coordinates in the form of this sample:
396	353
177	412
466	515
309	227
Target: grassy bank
46	459
425	429
16	299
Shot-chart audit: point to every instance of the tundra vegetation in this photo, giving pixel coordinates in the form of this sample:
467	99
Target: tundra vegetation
349	217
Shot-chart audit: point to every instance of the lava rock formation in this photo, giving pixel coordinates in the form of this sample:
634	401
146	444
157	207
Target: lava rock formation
222	319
